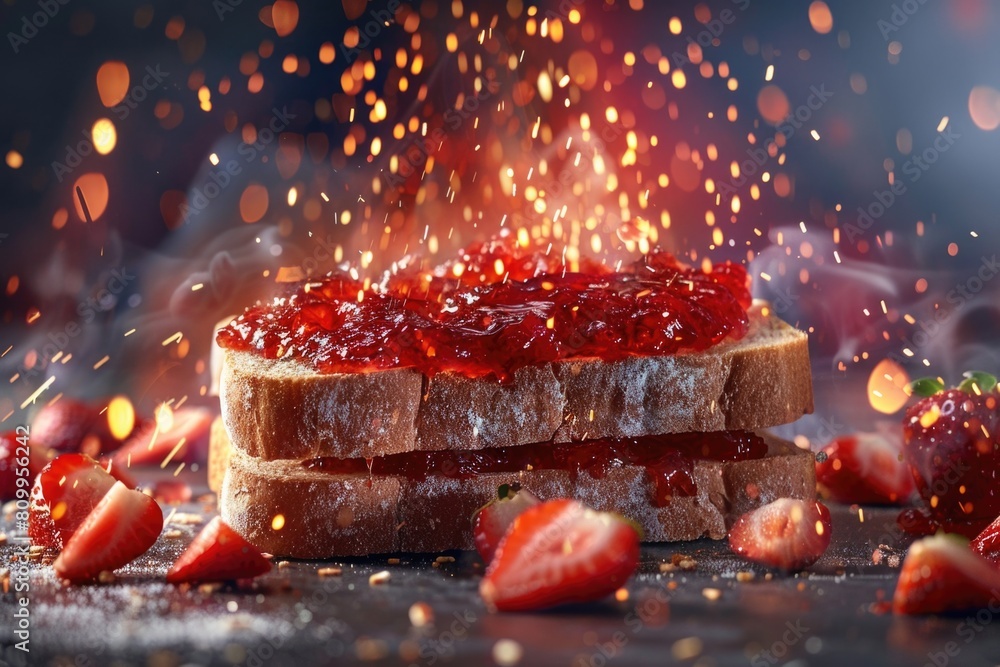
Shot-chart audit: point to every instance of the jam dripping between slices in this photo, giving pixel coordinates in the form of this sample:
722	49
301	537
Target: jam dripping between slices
667	459
498	308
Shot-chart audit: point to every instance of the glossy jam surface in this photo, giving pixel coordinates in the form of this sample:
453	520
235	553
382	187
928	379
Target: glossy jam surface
497	308
668	459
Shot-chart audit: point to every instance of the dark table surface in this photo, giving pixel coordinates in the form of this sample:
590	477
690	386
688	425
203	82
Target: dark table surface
293	617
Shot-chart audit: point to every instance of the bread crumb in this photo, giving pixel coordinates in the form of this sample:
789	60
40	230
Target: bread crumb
106	577
369	649
687	648
3	539
393	561
283	564
683	561
711	594
744	577
507	652
421	615
208	589
329	571
379	578
444	559
187	519
173	534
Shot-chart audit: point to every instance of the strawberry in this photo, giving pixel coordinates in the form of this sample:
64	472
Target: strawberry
491	521
65	492
987	543
952	445
865	468
122	527
560	552
63	425
171	492
152	445
786	534
941	574
218	553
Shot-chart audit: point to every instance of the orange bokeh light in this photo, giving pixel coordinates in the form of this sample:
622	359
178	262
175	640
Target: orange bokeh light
112	82
95	191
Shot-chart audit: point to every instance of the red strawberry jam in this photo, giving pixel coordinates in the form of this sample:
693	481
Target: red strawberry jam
668	459
498	308
952	444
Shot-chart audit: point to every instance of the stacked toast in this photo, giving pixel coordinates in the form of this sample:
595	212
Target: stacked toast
333	448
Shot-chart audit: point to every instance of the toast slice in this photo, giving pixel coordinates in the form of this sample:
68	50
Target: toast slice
283	409
326	515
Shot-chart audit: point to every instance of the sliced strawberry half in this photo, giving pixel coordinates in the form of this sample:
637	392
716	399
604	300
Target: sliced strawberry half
942	575
865	468
65	492
122	527
218	553
987	543
491	521
560	552
186	439
786	534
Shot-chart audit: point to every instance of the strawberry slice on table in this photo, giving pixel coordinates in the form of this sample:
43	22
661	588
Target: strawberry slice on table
560	552
941	575
65	492
491	521
184	438
786	534
987	543
218	553
122	527
865	468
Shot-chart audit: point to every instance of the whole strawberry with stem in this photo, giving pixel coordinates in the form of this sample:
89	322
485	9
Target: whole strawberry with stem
952	445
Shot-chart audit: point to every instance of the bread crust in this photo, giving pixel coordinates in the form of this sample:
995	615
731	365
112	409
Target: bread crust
325	515
282	409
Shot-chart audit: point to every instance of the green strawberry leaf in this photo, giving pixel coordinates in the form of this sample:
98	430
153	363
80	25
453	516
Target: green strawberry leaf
926	387
984	381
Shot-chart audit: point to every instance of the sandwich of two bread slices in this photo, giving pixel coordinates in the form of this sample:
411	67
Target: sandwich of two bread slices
365	419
